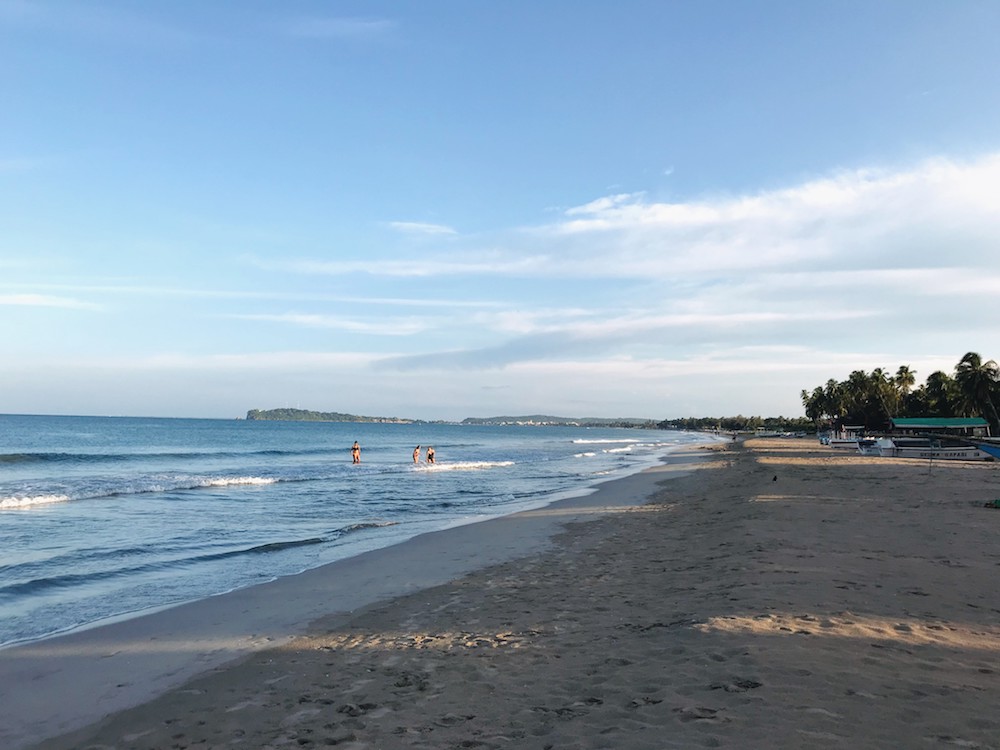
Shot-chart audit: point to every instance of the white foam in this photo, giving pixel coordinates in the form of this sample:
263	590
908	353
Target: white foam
230	481
463	466
14	503
582	442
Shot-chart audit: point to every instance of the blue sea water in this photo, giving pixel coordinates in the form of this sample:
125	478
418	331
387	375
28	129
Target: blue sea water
102	516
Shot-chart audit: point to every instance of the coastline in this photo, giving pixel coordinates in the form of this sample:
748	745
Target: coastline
783	595
62	683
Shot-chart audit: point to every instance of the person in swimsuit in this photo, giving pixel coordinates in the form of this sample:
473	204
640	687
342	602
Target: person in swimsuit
356	453
416	455
430	454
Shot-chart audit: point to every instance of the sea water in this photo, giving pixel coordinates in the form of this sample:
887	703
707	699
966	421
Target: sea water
102	517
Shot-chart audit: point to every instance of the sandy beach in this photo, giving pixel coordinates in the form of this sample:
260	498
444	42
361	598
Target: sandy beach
780	595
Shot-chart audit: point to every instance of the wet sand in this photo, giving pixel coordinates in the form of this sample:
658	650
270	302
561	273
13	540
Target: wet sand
784	595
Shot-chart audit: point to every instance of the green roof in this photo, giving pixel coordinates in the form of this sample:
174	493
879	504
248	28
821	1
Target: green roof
939	422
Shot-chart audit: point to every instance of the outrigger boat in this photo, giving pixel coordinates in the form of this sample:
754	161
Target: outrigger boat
989	448
933	445
923	447
847	436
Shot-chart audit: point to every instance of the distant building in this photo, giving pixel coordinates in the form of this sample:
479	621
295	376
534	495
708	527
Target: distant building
967	426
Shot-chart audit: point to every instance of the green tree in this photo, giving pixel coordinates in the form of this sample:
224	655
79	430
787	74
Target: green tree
976	383
941	396
904	380
814	405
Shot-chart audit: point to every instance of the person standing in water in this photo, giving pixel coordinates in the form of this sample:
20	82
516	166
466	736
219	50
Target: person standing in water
416	455
430	454
356	453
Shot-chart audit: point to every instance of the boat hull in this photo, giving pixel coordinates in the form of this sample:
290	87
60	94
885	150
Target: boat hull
931	450
991	450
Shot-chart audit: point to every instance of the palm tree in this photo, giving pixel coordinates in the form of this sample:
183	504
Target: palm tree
977	381
940	393
884	394
834	399
816	405
855	391
905	378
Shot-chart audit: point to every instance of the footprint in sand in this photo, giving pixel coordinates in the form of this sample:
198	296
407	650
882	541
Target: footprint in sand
700	713
736	686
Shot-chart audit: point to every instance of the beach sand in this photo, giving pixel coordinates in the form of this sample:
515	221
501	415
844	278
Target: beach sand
783	595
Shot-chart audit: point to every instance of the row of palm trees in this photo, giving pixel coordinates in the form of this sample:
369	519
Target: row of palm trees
871	399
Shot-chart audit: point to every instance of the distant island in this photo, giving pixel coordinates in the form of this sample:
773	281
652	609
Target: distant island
304	415
738	423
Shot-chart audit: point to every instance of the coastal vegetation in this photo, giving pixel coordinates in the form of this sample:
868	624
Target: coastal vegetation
873	398
305	415
546	420
738	423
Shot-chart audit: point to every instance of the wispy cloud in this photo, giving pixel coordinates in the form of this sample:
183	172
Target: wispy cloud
279	361
599	339
103	22
373	327
475	264
338	27
22	164
416	227
42	300
244	294
866	219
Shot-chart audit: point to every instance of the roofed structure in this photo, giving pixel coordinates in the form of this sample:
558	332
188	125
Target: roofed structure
973	426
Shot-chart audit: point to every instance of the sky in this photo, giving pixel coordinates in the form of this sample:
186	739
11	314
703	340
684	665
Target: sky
445	209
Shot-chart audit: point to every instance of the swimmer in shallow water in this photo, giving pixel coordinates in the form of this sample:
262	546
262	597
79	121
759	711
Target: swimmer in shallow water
430	454
416	455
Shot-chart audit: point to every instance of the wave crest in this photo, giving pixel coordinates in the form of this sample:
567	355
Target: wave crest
15	502
598	441
463	466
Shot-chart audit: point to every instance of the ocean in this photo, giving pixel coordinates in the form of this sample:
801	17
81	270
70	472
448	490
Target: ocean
105	517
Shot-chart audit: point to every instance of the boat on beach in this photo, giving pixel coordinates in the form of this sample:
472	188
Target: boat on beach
991	449
847	436
921	447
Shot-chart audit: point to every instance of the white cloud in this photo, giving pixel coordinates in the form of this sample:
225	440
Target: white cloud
338	28
117	24
626	304
938	214
416	227
194	292
922	216
43	300
475	265
375	327
13	164
286	361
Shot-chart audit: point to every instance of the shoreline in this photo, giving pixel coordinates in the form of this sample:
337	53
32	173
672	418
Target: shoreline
782	595
113	666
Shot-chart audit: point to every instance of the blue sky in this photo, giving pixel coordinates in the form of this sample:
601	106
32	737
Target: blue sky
447	209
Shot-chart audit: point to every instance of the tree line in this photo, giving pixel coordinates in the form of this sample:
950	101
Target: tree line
873	398
739	423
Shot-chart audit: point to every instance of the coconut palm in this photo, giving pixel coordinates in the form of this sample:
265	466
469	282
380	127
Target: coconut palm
977	383
904	379
884	394
940	394
814	404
